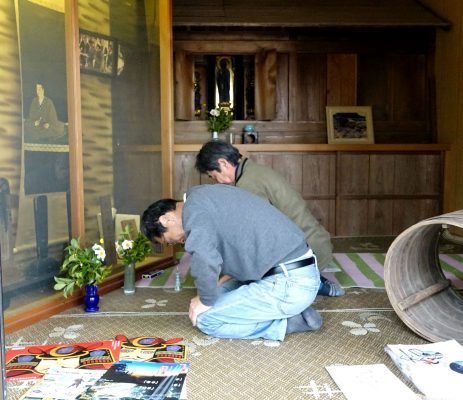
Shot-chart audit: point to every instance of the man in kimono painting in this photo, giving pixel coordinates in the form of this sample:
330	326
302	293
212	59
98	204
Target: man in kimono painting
42	125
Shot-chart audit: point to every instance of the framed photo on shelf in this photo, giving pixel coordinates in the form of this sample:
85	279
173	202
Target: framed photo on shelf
346	124
98	53
127	220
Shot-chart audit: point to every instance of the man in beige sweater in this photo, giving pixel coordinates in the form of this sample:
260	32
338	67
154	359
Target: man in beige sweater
224	164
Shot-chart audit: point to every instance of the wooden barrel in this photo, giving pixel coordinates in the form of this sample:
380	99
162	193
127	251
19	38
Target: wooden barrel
416	286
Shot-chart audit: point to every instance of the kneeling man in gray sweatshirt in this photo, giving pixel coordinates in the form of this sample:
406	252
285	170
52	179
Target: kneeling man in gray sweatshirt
255	274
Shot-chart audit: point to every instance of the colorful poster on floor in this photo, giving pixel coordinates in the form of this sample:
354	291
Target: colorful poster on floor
33	362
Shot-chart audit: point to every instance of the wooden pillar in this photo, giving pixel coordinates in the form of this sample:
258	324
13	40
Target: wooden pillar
76	169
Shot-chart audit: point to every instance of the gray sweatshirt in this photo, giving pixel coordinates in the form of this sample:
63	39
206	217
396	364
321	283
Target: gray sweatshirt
234	232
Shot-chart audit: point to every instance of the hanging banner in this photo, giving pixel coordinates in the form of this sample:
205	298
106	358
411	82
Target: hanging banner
43	203
43	76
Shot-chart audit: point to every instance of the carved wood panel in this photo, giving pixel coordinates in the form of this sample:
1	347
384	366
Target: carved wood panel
265	84
391	70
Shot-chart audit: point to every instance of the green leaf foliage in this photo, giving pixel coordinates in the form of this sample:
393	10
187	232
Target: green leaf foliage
138	250
220	122
81	267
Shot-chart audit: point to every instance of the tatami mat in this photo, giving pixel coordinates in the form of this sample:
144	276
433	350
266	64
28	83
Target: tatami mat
239	369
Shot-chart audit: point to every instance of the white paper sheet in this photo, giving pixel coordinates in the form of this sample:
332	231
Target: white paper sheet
366	382
436	369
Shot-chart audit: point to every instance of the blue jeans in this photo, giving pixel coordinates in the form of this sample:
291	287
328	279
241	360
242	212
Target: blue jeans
259	309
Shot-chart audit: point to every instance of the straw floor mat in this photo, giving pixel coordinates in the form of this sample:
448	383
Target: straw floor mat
239	369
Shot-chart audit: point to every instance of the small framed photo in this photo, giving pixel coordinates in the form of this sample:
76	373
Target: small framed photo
347	124
122	221
98	53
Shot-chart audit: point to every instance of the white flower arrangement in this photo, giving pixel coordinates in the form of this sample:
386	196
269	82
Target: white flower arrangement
99	252
219	119
132	251
81	267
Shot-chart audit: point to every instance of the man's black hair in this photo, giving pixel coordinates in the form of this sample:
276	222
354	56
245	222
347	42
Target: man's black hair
150	224
206	159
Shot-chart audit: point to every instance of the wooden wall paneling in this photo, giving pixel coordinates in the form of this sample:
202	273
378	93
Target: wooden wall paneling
292	85
381	179
352	173
261	158
281	132
410	95
351	217
380	217
290	166
449	88
319	175
407	212
309	88
324	211
341	78
185	173
184	85
265	84
431	165
431	105
246	41
282	87
373	85
319	187
417	174
352	180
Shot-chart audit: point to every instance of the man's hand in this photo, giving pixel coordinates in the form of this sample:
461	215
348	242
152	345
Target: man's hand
223	279
196	308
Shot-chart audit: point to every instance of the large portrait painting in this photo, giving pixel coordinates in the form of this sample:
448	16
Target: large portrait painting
43	76
43	215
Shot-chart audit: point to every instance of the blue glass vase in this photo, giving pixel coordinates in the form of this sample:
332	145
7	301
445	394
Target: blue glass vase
91	298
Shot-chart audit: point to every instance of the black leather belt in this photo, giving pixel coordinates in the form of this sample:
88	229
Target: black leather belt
290	266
